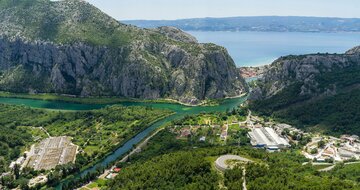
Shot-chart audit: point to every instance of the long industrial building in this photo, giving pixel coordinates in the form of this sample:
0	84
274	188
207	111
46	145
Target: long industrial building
266	137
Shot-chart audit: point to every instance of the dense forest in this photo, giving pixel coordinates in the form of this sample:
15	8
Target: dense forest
193	169
187	170
96	132
334	115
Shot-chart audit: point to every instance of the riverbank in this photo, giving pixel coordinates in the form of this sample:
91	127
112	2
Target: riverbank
115	155
115	147
105	100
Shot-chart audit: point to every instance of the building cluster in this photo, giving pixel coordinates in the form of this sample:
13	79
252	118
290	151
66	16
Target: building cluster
51	152
113	173
349	147
200	131
266	137
333	149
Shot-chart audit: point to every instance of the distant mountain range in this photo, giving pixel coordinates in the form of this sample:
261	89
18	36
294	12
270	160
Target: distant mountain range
259	23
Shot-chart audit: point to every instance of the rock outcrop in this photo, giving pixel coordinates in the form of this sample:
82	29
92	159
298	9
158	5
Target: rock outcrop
318	92
74	48
307	71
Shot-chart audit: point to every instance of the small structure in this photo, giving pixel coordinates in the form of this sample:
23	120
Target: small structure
38	180
224	132
111	176
351	139
117	170
202	139
223	135
185	132
19	161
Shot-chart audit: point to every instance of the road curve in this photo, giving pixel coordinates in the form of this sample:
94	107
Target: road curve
221	164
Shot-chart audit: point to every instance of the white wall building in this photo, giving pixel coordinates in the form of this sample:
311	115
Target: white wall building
267	137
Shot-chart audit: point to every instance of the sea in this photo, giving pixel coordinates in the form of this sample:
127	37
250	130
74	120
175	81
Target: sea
262	48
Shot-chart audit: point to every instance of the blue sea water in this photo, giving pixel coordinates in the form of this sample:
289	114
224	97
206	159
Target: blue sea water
261	48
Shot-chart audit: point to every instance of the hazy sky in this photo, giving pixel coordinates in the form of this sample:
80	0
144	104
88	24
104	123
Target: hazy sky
175	9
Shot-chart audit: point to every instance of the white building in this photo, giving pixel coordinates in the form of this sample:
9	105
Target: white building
266	137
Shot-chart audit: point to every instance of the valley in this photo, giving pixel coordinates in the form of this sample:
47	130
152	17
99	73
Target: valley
241	103
99	137
189	132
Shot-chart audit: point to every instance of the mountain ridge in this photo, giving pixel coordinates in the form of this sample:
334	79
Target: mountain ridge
88	53
314	91
258	23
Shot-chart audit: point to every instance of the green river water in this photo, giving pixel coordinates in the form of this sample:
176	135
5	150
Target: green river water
180	111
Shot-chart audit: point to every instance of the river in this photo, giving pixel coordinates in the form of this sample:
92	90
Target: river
180	111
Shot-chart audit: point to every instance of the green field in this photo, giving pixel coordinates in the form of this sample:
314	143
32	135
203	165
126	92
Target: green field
96	132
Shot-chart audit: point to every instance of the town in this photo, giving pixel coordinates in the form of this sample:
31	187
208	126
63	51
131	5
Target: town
237	129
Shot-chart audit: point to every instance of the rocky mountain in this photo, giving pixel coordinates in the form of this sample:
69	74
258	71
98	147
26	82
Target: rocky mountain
71	47
321	90
312	72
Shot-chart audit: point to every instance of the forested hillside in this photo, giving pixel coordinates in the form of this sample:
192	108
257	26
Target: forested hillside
319	92
180	166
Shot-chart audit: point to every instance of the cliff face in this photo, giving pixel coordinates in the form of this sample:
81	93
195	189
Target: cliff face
316	74
73	48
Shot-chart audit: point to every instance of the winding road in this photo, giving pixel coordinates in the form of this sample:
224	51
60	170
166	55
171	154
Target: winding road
221	165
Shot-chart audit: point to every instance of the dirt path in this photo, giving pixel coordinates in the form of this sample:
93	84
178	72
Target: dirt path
45	131
244	179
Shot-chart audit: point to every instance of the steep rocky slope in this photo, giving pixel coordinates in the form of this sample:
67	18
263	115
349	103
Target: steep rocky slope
309	71
71	47
321	90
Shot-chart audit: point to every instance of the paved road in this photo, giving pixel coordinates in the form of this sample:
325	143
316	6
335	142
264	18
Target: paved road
349	163
332	166
327	169
221	165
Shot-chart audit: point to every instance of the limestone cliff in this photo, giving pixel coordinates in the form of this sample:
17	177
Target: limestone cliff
71	47
319	92
316	74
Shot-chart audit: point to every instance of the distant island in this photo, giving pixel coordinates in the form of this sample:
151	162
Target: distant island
257	23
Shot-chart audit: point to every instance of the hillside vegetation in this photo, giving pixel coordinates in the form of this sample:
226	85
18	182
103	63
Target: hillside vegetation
180	166
317	92
96	132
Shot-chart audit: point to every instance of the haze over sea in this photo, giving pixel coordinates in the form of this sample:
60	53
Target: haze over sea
261	48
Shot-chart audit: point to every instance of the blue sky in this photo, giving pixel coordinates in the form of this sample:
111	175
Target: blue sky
176	9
